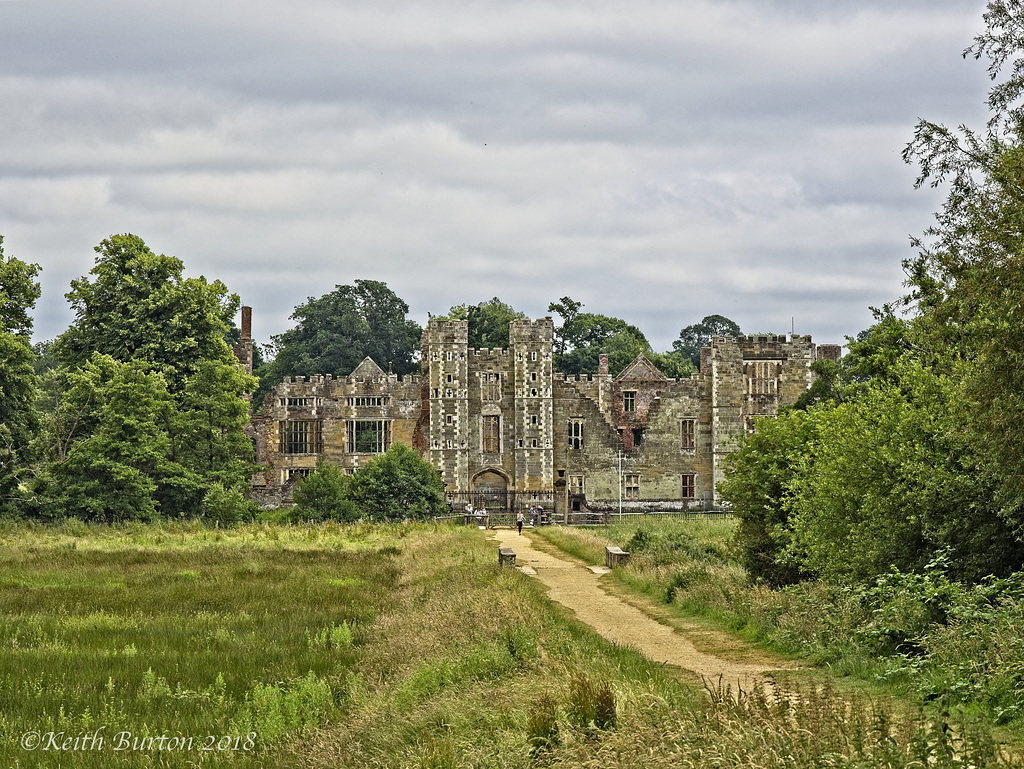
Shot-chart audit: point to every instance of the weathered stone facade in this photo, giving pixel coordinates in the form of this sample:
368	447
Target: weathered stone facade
502	425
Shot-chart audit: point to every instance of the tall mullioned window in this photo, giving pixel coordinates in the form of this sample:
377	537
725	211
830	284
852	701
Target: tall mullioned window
490	442
576	434
689	486
688	434
631	486
301	436
762	377
629	400
490	386
368	436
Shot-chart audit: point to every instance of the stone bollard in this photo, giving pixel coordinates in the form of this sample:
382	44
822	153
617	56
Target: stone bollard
506	556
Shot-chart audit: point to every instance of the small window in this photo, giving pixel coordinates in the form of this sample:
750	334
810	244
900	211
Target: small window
533	376
689	486
629	400
533	419
638	436
631	486
367	400
449	419
688	434
575	485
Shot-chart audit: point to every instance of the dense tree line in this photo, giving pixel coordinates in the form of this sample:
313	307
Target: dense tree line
913	447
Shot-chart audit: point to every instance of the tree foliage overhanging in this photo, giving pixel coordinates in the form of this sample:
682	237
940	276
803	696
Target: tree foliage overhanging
583	337
333	333
913	446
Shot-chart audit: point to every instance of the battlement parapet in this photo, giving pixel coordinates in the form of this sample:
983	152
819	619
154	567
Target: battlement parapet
446	332
540	330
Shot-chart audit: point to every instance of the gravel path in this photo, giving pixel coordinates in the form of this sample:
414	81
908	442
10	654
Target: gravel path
579	589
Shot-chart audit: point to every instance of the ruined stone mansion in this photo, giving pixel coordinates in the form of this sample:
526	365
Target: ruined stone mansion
506	431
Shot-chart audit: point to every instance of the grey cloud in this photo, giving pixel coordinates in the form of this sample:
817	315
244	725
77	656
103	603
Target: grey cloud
659	161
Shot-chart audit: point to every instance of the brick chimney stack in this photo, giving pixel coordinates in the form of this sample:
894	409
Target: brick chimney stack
243	350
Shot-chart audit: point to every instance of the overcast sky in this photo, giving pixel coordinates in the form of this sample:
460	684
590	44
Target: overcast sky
657	160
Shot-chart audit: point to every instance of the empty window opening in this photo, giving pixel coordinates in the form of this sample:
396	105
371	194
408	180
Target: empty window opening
369	436
688	434
631	486
491	434
303	436
689	486
576	434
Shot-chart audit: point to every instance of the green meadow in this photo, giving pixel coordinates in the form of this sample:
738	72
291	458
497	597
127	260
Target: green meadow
182	645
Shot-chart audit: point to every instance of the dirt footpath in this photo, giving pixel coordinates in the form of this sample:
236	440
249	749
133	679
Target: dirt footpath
579	589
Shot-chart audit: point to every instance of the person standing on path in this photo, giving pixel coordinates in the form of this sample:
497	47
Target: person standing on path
519	521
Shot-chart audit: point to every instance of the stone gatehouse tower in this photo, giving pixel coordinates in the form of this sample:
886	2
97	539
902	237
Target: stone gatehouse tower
503	428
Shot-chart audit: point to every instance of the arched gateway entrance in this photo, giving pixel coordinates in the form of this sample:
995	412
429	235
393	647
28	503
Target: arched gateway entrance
490	491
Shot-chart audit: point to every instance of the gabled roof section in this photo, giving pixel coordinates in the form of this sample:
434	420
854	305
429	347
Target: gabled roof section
368	369
643	370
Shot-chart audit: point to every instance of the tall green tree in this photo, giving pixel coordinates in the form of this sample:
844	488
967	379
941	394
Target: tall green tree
112	459
19	290
334	332
488	322
147	409
697	336
137	305
967	280
582	337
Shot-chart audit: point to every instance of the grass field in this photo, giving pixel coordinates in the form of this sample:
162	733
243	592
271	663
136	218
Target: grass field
180	645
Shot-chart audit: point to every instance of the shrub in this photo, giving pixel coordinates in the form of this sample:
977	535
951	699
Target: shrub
227	506
398	484
542	724
324	495
591	706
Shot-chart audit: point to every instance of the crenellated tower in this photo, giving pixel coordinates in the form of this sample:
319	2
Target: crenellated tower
531	345
445	366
